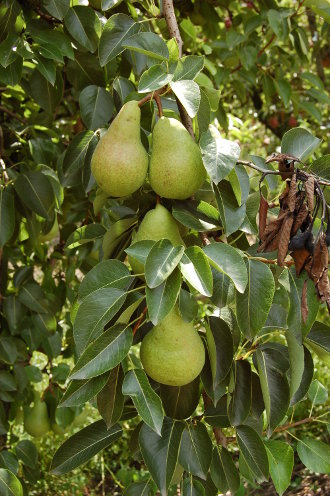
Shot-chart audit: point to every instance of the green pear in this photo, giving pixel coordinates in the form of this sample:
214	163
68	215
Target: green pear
157	224
120	162
176	166
172	352
36	420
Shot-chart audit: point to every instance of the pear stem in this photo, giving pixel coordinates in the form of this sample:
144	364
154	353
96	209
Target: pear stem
139	322
156	96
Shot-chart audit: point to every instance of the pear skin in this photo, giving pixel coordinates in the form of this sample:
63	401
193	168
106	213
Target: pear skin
176	167
120	162
36	420
157	224
172	352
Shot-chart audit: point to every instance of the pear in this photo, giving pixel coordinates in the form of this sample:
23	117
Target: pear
120	162
36	420
172	352
157	224
176	166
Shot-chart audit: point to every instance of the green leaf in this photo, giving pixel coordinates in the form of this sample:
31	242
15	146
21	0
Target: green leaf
306	378
188	67
84	26
232	216
32	296
161	261
9	484
217	416
110	401
162	299
56	8
315	455
240	183
219	156
139	489
275	387
47	95
296	355
8	50
47	68
188	92
149	44
7	381
228	260
83	445
317	393
196	269
192	487
79	392
299	142
254	304
321	167
7	216
146	401
160	451
116	31
319	340
36	192
103	354
281	459
188	305
140	250
8	350
223	471
9	461
95	311
253	451
180	402
154	78
241	396
106	274
197	215
278	22
220	348
11	75
284	90
27	452
196	450
96	106
84	234
78	156
321	7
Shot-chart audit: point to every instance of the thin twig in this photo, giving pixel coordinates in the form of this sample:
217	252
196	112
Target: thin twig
12	114
173	29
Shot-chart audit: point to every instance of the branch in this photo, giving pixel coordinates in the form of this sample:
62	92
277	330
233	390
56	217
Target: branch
174	32
13	115
295	424
156	96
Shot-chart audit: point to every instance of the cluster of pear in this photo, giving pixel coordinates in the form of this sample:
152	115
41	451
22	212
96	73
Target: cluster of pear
120	162
172	352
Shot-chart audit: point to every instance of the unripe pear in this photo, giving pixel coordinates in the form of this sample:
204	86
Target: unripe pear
172	352
176	166
36	420
157	224
120	162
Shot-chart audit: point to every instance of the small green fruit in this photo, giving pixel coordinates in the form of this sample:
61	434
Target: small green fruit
157	224
120	162
172	352
176	166
36	420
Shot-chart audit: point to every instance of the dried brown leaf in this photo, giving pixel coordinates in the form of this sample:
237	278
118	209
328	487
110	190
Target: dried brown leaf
304	305
309	188
299	219
317	270
284	238
291	200
301	258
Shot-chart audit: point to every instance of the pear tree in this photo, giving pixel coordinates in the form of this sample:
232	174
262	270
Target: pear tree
164	234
